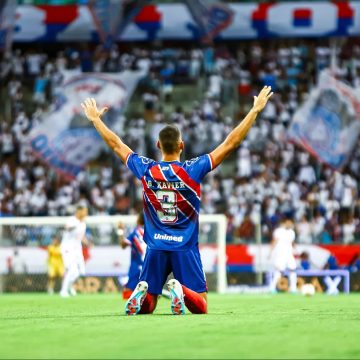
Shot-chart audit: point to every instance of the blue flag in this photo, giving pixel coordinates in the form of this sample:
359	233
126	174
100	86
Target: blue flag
211	17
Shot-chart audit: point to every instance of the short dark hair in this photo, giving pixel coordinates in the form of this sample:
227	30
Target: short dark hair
80	207
169	137
286	219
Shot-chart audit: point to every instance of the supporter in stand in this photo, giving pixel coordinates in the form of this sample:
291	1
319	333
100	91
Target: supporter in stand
273	176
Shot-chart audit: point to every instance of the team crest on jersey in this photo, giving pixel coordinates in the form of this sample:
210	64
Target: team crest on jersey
192	161
145	160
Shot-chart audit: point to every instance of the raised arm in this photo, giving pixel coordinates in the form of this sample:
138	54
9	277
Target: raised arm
237	135
114	142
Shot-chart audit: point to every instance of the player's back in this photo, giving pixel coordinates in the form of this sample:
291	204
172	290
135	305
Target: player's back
171	200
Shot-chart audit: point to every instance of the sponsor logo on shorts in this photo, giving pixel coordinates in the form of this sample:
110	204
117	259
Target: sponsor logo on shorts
168	237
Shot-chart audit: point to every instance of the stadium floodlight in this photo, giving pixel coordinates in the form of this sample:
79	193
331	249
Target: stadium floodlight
39	232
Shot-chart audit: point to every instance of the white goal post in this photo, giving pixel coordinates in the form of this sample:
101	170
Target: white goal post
31	232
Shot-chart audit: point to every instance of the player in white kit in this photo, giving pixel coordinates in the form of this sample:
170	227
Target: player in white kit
71	250
282	254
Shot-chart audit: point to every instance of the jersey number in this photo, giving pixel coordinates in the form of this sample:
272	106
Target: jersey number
167	199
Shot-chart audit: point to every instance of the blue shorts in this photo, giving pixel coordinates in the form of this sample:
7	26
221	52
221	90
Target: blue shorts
186	267
134	275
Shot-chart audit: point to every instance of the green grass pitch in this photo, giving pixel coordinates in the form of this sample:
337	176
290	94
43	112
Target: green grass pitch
237	326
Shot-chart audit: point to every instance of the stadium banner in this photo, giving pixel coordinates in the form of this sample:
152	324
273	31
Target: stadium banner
15	283
114	261
327	125
240	283
250	20
65	139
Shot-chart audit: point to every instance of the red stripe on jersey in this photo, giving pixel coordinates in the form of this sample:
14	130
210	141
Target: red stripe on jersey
185	207
138	245
140	231
146	206
182	203
156	173
151	196
186	179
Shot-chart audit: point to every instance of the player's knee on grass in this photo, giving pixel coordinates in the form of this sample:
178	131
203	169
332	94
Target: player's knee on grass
195	302
149	304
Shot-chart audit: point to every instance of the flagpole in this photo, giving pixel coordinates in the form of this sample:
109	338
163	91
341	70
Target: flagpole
333	56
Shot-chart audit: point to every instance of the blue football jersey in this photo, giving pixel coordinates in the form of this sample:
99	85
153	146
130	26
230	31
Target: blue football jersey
171	196
138	246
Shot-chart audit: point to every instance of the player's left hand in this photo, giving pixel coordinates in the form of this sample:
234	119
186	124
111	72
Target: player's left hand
261	100
91	111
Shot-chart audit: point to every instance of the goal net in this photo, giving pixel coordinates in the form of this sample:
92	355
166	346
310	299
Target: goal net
24	241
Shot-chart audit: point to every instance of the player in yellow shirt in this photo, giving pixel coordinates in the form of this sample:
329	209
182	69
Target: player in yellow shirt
55	264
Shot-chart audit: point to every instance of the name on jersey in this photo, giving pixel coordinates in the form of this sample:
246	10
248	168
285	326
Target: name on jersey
166	184
168	237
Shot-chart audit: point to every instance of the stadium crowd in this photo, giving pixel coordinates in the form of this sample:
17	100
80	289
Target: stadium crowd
272	178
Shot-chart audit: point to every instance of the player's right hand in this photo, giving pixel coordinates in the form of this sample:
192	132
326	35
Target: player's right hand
261	100
91	111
